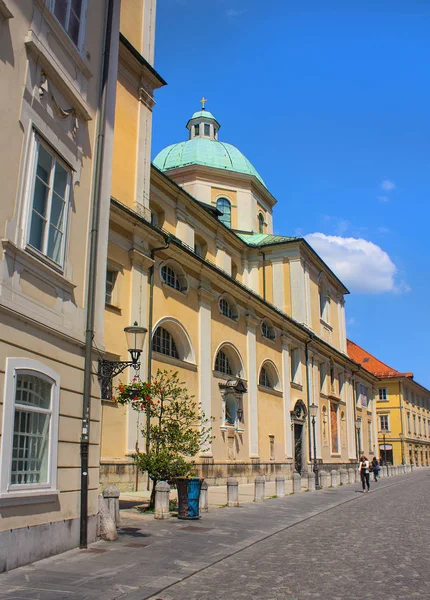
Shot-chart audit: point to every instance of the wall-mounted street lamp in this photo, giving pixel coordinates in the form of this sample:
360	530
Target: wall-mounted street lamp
358	422
109	369
240	414
313	411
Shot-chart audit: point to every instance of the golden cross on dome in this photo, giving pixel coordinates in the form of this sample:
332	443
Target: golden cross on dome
203	101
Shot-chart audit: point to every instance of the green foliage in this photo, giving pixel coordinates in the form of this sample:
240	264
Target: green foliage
176	424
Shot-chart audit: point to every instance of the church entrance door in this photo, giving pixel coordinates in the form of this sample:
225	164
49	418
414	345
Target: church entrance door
298	447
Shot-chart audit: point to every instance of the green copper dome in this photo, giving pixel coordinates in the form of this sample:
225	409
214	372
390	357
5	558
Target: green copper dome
204	148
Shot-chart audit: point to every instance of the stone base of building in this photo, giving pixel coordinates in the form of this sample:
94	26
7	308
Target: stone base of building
25	545
123	473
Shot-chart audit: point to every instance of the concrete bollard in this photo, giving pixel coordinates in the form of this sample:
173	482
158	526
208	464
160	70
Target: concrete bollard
390	471
384	471
323	479
334	478
412	467
351	476
232	491
111	498
259	488
162	497
280	485
297	483
343	473
311	481
203	503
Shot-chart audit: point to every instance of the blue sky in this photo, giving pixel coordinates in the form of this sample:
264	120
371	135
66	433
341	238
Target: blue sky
330	102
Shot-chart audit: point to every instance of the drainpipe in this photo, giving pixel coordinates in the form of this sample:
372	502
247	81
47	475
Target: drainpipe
150	319
308	395
354	397
264	273
96	200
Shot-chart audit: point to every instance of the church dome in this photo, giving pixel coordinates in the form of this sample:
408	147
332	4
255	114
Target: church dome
204	148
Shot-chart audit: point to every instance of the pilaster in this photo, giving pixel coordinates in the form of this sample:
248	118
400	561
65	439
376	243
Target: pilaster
206	298
251	342
278	283
286	392
297	283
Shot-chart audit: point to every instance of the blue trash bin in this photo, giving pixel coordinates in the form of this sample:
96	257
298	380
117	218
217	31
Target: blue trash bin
188	497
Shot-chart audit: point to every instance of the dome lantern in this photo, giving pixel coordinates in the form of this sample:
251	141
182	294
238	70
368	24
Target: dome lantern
203	124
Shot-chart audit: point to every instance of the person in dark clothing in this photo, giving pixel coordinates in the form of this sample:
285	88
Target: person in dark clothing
364	473
375	468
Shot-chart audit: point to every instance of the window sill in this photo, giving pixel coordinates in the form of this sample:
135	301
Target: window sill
326	325
269	390
177	362
37	266
112	308
28	497
172	289
297	386
229	319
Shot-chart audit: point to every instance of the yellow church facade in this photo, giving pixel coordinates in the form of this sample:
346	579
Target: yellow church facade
253	322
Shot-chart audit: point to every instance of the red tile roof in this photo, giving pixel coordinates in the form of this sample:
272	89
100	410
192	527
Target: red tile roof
372	364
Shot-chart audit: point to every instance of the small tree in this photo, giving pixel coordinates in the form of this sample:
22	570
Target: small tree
177	426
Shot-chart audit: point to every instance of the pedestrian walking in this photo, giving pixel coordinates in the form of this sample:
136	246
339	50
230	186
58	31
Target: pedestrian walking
375	468
364	473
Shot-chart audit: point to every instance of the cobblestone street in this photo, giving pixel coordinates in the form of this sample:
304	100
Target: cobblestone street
335	544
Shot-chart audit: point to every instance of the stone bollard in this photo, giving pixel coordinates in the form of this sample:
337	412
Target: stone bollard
162	497
351	476
106	528
203	503
323	479
232	491
343	473
311	481
404	468
280	485
259	488
297	483
412	467
334	478
390	471
111	498
384	471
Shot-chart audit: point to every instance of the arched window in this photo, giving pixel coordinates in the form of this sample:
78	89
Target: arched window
267	330
164	343
264	378
222	364
170	277
226	309
269	377
224	206
260	223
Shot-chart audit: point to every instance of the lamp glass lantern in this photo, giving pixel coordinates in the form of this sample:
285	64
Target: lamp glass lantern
358	421
313	409
135	336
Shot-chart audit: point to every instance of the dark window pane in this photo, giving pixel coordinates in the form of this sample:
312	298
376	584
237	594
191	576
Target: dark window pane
37	231
60	11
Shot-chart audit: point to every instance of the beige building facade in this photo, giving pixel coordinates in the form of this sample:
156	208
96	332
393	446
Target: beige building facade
51	69
253	322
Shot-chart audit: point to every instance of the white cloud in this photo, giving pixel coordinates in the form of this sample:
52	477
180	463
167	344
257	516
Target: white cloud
351	321
361	265
383	199
387	185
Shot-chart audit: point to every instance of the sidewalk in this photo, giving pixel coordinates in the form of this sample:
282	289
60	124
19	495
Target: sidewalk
151	555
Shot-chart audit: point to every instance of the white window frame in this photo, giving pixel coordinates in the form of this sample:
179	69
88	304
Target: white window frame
30	492
387	417
82	22
384	391
38	141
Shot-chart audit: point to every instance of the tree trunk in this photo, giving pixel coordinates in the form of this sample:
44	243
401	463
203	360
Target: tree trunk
152	498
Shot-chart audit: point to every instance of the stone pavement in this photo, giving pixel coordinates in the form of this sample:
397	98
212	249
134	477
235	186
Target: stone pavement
336	544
